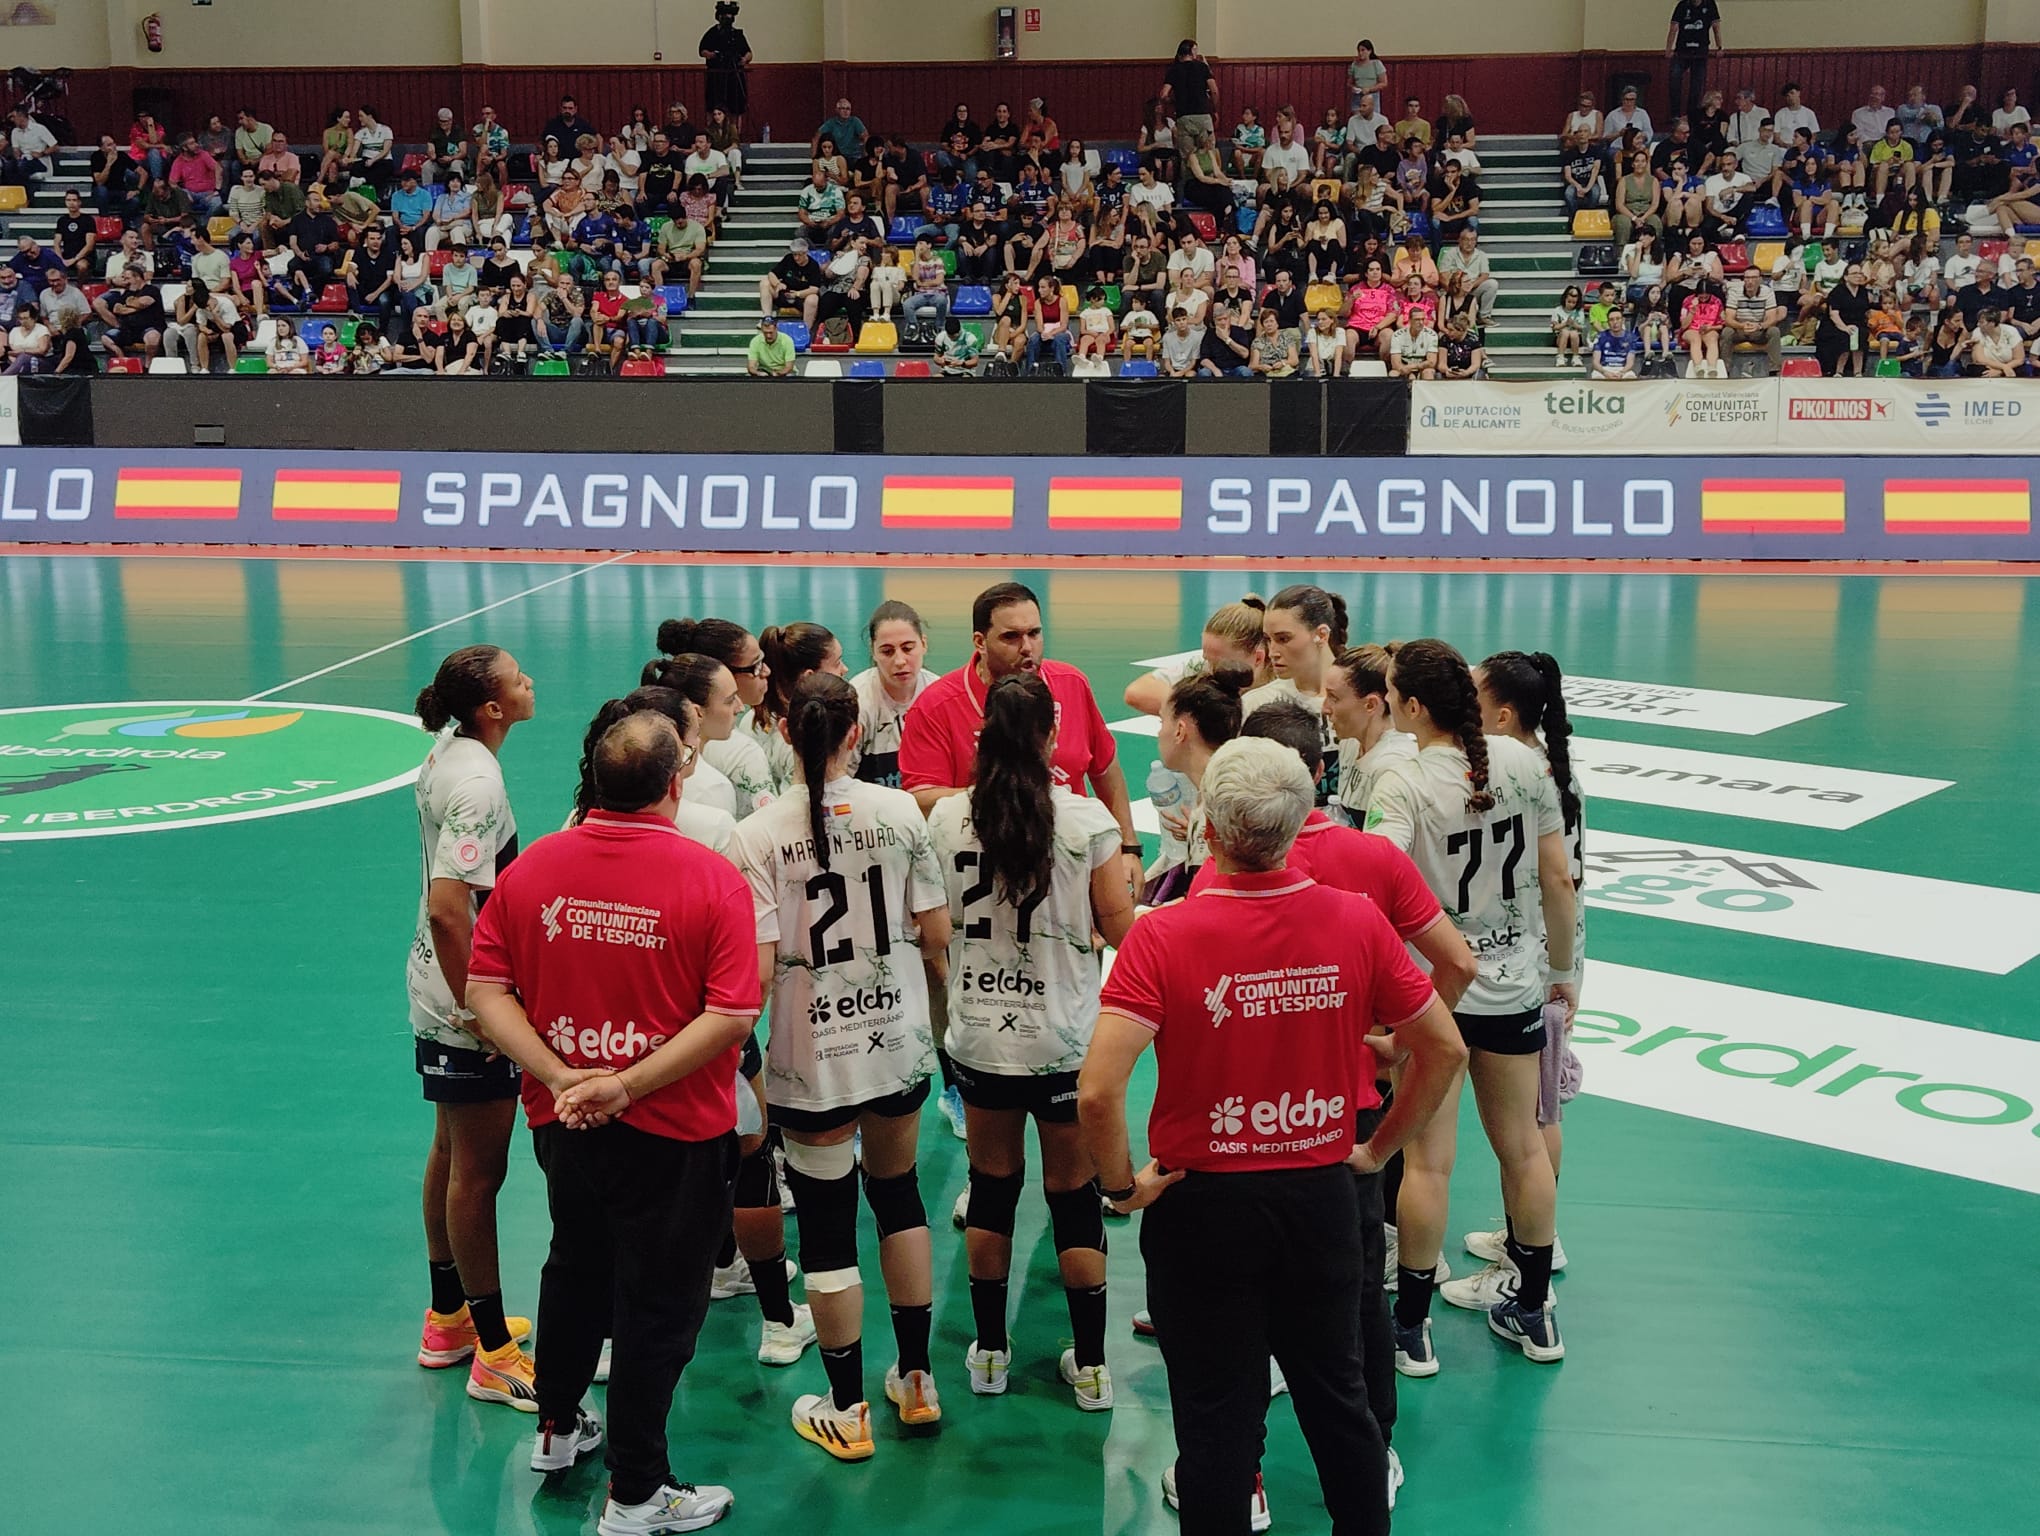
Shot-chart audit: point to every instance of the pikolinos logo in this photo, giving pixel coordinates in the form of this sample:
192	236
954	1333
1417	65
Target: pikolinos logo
91	770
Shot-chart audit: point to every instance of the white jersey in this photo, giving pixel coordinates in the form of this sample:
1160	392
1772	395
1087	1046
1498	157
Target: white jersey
1330	755
1482	866
710	787
879	762
741	761
712	828
1023	981
1576	864
1359	770
465	833
782	763
849	1002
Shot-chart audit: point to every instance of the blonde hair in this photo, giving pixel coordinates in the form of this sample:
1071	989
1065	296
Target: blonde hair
1239	623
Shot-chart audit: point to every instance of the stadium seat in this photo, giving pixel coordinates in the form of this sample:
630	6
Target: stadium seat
93	292
1320	298
2033	250
1799	368
1767	255
1139	368
1766	220
1072	300
795	331
816	344
108	228
520	232
1127	160
2027	229
1992	250
219	227
675	295
1592	224
877	336
1890	368
412	162
1205	225
251	364
435	261
264	338
916	368
123	365
1735	256
867	369
349	329
1243	219
642	368
948	259
550	368
981	329
332	300
13	199
823	368
1420	224
1090	368
1367	368
1112	296
657	222
167	365
905	228
1327	189
972	299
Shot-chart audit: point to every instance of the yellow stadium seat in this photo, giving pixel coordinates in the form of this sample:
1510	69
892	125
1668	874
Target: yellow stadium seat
1592	224
1071	301
1767	255
219	227
1327	189
878	336
2033	250
13	199
1323	296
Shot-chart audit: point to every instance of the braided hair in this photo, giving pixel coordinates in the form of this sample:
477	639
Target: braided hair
1436	674
819	716
1011	802
791	653
1531	684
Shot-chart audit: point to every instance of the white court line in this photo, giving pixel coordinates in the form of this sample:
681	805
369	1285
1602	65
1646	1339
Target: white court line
434	629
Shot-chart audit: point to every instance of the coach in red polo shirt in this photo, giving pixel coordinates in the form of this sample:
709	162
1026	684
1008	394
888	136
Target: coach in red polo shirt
1258	995
617	963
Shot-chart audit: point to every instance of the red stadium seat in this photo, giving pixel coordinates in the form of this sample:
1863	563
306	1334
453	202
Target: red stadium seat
123	365
642	368
1205	225
107	228
1799	368
435	262
913	370
332	300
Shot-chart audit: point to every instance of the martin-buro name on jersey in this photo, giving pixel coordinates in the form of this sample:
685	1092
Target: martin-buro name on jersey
842	840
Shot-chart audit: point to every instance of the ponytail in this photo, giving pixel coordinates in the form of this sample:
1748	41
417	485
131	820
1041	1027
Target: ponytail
722	639
1011	802
1435	674
1531	684
1212	701
690	674
1367	667
611	711
820	716
465	681
1315	606
790	654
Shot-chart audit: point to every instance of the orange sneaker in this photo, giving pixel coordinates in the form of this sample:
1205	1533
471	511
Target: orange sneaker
506	1375
449	1337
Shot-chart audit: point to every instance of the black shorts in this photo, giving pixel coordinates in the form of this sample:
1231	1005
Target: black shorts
752	1061
1051	1097
454	1074
1503	1034
815	1121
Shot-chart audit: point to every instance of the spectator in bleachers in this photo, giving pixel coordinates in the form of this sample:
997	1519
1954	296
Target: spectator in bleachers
197	174
1010	306
132	311
1870	118
1891	157
1639	202
1729	196
1283	239
129	253
116	181
1794	114
1275	351
1236	289
2021	308
1413	124
276	156
819	204
1366	79
1140	333
370	272
979	256
370	158
1764	163
1228	344
567	125
491	143
844	129
1193	256
770	354
147	145
1096	326
1249	142
550	163
517	323
446	150
29	146
1743	123
1150	204
1182	346
1467	275
1994	350
61	298
1066	244
14	295
960	121
414	289
1695	29
681	245
945	199
1324	245
1581	170
1328	144
566	207
209	264
1371	309
411	207
250	280
1105	247
1156	142
1413	259
713	166
1685	197
329	356
28	343
1410	348
1048	326
956	350
453	214
1024	240
1184	294
1460	353
76	237
998	150
587	161
1285	163
1039	135
34	261
1843	331
1643	264
926	303
1584	118
1569	329
1074	176
1627	114
1616	349
856	224
244	203
1754	318
1455	206
281	203
832	164
595	239
1412	176
1810	188
1190	93
1936	167
608	325
1324	346
1206	186
1147	273
166	208
564	309
1454	117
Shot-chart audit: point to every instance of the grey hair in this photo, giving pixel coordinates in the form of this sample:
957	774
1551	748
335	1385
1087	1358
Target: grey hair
1256	794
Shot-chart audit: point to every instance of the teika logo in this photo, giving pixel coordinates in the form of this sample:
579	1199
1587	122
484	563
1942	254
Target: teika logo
1583	402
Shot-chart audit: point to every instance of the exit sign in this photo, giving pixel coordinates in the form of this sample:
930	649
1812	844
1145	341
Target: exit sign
1030	19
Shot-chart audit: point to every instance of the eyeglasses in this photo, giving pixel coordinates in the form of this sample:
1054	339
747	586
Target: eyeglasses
756	666
687	756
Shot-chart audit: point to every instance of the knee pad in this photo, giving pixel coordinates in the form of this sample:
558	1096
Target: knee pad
994	1199
1076	1218
836	1161
757	1180
825	1213
895	1203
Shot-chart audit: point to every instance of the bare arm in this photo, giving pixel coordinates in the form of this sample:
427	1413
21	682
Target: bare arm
450	915
1433	1058
927	796
1555	895
935	933
1116	1044
1111	902
1445	949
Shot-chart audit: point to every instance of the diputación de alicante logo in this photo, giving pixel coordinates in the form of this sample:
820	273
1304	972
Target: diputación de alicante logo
93	770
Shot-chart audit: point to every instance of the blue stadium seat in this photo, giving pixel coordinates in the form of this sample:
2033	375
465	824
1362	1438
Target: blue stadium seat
1138	368
972	299
520	232
1244	217
1127	161
867	368
796	332
675	295
905	227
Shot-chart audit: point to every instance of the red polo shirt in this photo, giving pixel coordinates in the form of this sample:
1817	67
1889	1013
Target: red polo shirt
938	739
1347	859
616	935
1261	991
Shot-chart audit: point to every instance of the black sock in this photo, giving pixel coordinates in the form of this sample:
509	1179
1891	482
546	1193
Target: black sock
1508	1231
1534	1265
726	1255
846	1373
447	1296
775	1302
1413	1289
910	1327
1087	1321
1391	1186
988	1307
487	1312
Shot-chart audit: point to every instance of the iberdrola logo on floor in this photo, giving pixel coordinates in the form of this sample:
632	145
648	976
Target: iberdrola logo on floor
91	770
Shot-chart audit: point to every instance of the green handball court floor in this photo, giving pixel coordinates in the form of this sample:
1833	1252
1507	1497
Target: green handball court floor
1799	1195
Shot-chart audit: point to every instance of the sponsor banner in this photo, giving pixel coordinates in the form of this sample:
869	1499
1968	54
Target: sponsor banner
1580	416
1692	709
1734	417
1958	1101
819	504
1759	788
1869	911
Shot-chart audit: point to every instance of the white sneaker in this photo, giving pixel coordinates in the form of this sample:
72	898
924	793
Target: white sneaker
913	1394
1392	1260
951	1105
1494	1247
1091	1383
556	1450
845	1433
667	1512
1278	1384
784	1343
602	1364
988	1368
959	1216
1258	1517
1395	1477
732	1279
1488	1288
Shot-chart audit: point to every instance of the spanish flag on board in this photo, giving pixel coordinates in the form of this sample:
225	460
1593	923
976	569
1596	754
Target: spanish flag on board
946	501
1772	506
212	494
1958	506
336	495
1120	505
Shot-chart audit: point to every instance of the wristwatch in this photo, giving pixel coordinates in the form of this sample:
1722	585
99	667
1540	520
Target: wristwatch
1132	848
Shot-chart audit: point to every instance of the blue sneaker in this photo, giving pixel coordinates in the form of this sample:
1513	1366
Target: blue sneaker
951	1104
1413	1353
1535	1333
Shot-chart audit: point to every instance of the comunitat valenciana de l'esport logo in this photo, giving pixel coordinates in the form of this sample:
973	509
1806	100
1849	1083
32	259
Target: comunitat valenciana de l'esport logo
91	770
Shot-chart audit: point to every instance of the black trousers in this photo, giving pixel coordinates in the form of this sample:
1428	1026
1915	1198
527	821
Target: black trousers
1377	1332
1688	74
1244	1265
637	1222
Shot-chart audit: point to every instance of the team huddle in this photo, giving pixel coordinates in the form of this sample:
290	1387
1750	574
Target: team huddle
1369	870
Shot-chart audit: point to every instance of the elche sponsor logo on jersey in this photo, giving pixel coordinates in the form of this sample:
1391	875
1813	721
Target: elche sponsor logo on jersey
1300	1121
606	1042
853	1005
593	921
91	770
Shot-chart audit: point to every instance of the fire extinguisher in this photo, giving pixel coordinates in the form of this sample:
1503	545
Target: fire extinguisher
152	31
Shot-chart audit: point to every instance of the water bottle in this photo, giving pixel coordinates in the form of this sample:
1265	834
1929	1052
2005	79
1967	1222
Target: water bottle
1168	791
768	133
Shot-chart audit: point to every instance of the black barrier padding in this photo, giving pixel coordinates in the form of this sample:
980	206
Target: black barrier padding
56	413
1366	418
1296	417
1226	418
860	415
1135	416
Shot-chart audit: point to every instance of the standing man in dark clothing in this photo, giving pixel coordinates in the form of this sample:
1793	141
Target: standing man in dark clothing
1695	29
567	126
727	53
1192	93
